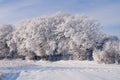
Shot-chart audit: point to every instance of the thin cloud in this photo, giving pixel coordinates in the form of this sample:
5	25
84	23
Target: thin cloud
108	15
9	8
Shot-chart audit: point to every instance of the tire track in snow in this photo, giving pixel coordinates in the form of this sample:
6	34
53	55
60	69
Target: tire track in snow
10	76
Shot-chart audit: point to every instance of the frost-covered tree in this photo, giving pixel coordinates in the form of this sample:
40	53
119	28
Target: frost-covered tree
59	35
5	35
110	52
82	33
37	35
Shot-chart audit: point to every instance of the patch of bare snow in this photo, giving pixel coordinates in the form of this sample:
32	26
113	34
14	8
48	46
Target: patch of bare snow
60	70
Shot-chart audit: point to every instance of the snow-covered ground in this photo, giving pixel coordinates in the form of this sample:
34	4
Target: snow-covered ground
60	70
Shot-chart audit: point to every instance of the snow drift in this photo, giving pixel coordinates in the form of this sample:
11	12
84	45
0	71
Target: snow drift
58	37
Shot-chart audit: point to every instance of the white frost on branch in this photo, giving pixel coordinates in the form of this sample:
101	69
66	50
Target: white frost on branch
57	34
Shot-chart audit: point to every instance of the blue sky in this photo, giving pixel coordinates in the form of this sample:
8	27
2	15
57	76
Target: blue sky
107	12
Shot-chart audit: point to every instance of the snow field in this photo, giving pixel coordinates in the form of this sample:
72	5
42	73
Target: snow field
61	70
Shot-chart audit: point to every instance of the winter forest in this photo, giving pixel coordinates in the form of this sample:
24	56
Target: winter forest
56	37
